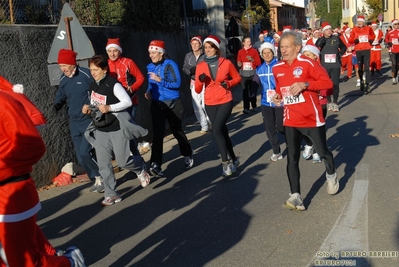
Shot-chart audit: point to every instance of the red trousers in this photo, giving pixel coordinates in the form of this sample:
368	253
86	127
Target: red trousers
346	64
375	60
25	245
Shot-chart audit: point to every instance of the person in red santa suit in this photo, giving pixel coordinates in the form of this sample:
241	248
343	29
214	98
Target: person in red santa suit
346	59
17	91
363	36
315	37
22	243
375	57
392	39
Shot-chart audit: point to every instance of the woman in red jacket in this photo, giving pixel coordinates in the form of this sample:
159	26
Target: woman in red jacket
214	73
248	60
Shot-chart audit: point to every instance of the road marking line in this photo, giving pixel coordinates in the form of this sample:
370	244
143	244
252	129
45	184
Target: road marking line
350	232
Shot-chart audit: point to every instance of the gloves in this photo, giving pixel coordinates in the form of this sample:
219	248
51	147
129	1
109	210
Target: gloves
224	85
371	42
380	41
356	41
202	77
389	44
57	107
192	70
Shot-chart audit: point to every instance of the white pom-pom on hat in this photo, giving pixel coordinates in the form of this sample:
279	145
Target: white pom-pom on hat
18	88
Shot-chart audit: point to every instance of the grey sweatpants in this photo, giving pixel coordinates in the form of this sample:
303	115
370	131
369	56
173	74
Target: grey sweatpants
105	143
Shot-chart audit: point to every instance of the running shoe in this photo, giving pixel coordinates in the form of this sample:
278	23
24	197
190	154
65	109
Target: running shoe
330	107
335	108
234	165
295	202
98	186
188	161
246	111
144	178
394	81
316	158
108	201
156	170
332	184
276	157
226	169
75	257
367	89
358	84
307	152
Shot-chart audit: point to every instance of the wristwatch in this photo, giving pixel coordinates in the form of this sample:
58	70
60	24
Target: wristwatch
306	85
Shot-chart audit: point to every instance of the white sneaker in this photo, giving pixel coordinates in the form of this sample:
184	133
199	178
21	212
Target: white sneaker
307	152
358	83
276	157
144	178
332	184
75	257
316	158
226	169
295	202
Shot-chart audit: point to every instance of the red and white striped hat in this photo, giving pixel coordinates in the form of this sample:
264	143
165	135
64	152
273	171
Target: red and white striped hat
395	21
325	26
213	39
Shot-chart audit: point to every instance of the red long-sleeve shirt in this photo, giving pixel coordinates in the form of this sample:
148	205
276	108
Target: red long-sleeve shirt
393	37
364	35
128	74
242	57
309	112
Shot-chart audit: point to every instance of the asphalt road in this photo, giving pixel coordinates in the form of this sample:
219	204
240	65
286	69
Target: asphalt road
197	218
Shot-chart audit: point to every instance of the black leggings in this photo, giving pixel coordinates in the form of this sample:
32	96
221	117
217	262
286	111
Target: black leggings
293	137
307	139
395	60
363	61
248	92
219	115
273	121
159	115
334	74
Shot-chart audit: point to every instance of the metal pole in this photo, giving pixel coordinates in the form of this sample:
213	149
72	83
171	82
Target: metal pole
186	25
10	2
98	12
328	6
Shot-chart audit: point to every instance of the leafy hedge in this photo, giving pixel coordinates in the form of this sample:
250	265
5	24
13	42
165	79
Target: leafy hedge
137	15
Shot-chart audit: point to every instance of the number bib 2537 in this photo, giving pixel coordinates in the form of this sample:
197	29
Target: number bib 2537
290	99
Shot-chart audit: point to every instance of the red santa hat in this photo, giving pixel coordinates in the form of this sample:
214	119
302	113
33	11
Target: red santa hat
66	56
304	31
197	38
287	28
373	23
277	34
114	43
213	39
311	48
394	21
157	45
325	26
7	86
265	32
316	31
361	18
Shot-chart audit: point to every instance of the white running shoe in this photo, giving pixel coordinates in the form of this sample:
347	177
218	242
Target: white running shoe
276	157
307	152
316	158
295	202
226	169
332	184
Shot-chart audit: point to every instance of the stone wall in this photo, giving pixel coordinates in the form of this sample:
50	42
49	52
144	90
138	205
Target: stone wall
24	50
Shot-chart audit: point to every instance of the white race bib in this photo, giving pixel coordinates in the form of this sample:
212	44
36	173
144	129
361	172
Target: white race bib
363	38
290	99
97	99
247	66
395	41
269	95
330	58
